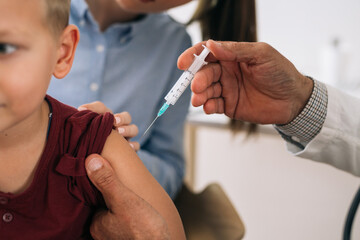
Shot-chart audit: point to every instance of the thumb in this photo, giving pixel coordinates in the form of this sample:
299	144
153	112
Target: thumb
234	51
103	176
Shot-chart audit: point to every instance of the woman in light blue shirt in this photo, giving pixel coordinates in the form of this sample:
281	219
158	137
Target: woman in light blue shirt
127	60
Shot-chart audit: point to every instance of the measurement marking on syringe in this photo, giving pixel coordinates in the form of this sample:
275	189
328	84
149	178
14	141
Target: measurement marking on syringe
183	82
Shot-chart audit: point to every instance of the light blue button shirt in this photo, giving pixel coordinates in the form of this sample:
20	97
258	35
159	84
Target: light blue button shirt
131	67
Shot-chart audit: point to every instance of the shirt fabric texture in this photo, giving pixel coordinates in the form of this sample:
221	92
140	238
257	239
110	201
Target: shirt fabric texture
336	141
131	67
60	200
309	122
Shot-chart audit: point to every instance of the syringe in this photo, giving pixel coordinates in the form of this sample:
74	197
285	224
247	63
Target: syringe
183	82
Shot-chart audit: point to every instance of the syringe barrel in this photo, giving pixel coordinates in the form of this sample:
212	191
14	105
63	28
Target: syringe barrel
185	79
179	88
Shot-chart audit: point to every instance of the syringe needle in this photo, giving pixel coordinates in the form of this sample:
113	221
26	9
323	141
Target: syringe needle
150	126
182	83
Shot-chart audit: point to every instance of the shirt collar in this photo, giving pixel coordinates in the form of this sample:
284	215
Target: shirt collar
80	7
124	32
141	24
134	27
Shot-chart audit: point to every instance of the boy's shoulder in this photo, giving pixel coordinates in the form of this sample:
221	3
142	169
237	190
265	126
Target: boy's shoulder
74	135
79	132
70	114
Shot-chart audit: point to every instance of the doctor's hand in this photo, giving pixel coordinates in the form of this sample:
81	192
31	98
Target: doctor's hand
122	121
128	216
248	81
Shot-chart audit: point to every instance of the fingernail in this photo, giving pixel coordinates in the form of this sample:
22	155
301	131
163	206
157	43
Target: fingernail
132	146
94	164
117	120
82	108
121	130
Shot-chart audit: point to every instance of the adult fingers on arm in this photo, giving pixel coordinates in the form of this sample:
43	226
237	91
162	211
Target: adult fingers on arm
129	216
121	119
104	178
122	123
129	131
103	226
135	145
96	106
134	175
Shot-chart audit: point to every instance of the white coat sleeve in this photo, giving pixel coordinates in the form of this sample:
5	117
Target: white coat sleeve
338	142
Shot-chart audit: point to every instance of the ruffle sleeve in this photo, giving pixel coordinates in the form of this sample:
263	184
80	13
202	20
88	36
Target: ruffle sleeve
84	133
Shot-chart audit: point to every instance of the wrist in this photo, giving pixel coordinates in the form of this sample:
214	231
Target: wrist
301	130
304	89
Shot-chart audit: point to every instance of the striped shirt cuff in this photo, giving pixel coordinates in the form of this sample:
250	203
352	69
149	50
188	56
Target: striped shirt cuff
309	122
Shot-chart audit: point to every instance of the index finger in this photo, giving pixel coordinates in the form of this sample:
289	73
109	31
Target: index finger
187	57
121	119
249	52
224	51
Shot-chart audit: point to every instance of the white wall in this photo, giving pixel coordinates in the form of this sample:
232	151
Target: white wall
303	31
277	195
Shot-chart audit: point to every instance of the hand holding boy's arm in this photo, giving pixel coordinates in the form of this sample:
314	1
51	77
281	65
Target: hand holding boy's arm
122	121
133	174
128	215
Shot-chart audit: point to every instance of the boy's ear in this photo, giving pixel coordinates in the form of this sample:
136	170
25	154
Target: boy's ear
66	51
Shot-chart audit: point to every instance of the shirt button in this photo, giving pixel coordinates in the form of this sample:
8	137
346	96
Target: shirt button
3	200
123	40
7	217
100	48
82	23
94	87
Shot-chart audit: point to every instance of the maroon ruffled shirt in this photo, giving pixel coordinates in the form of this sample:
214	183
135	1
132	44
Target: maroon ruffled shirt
61	200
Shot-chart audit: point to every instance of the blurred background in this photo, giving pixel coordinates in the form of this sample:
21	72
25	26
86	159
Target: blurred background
279	196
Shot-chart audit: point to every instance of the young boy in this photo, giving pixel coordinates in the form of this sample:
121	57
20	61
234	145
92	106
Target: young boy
44	190
126	59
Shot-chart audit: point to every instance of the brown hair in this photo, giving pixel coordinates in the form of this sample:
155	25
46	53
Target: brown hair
57	14
228	20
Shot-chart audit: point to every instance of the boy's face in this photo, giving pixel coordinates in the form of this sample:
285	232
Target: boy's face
27	59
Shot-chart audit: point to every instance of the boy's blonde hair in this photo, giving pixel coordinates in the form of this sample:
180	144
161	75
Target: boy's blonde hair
57	15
